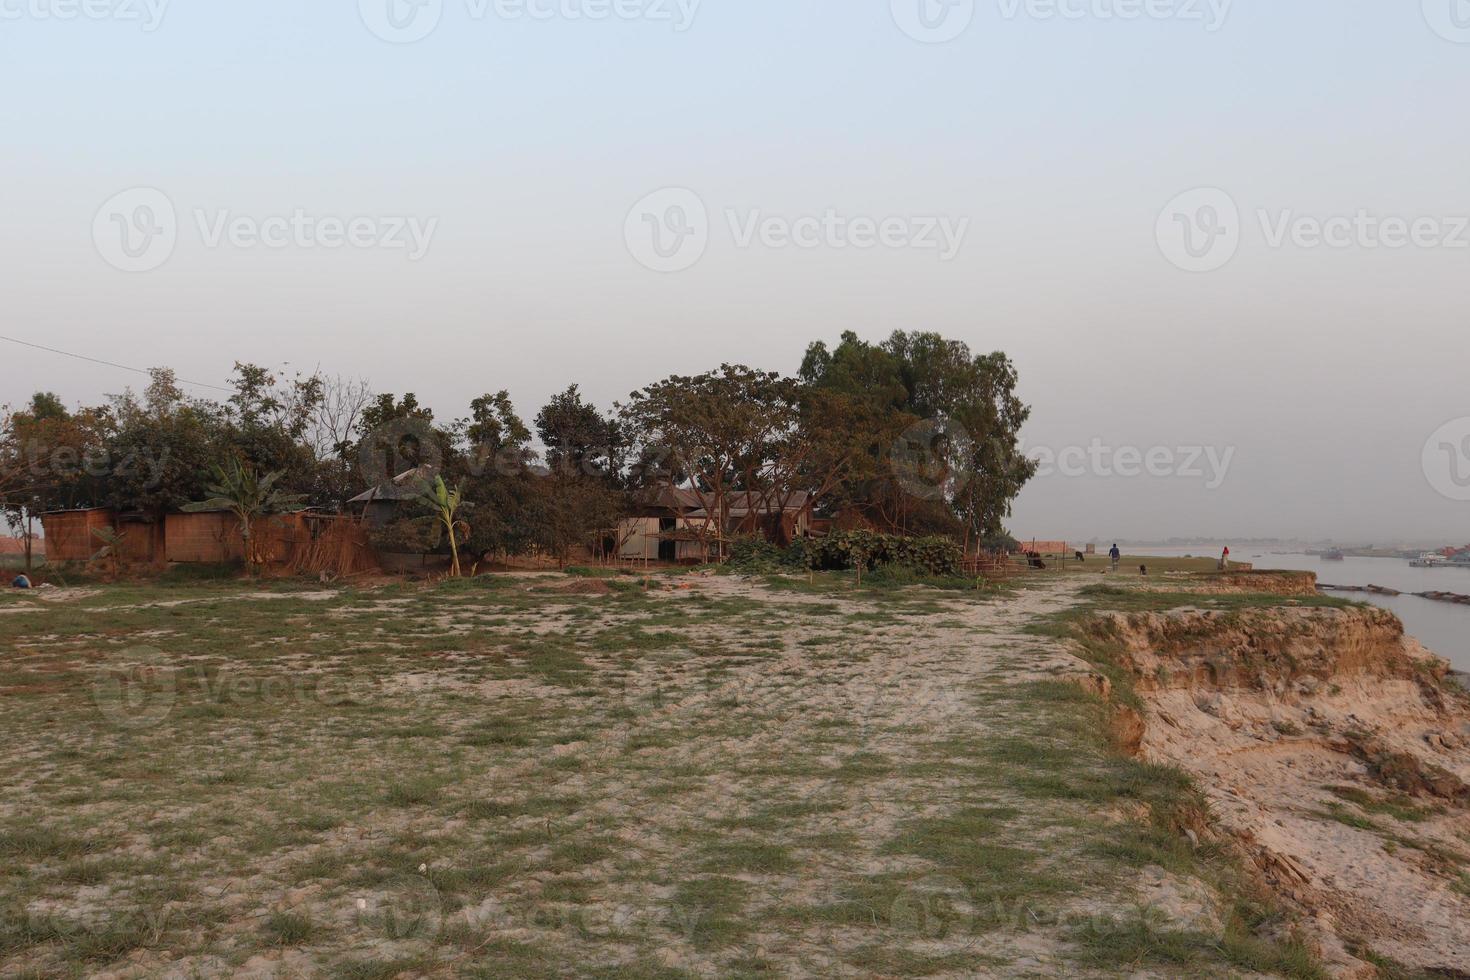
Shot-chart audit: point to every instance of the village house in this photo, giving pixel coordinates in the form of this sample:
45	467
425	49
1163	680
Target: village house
675	525
385	502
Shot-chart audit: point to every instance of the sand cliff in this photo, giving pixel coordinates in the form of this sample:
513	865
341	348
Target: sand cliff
1335	752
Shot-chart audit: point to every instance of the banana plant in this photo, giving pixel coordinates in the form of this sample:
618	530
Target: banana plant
444	504
249	496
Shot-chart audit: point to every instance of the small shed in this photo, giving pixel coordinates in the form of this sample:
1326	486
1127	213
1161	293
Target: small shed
382	504
69	534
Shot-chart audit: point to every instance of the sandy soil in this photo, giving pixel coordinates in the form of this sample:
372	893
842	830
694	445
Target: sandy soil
1328	745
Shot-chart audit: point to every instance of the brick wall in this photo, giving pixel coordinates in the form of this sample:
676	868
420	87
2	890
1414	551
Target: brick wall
69	534
141	543
202	539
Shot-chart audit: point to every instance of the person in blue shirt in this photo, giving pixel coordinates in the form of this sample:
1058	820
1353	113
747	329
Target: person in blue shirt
1115	556
21	582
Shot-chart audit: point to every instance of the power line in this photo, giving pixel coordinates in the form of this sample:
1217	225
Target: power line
111	364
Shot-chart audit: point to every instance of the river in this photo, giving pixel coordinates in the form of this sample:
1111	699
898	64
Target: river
1440	626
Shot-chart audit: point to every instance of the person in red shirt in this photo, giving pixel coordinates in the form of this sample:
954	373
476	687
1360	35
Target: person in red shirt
1225	558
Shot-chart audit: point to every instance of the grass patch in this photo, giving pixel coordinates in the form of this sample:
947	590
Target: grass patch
288	929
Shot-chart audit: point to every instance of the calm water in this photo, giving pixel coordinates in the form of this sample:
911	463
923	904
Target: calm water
1442	627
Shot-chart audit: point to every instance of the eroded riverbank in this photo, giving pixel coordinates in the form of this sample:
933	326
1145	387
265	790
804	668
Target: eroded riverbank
1334	751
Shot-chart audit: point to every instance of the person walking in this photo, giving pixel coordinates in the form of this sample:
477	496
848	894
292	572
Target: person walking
1115	556
1225	559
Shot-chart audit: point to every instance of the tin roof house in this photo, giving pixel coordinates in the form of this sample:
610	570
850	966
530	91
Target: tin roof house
384	503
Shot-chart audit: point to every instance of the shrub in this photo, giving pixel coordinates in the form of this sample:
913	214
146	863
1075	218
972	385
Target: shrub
843	550
754	555
406	536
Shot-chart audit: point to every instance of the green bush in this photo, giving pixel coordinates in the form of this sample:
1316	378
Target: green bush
844	551
406	536
754	555
802	554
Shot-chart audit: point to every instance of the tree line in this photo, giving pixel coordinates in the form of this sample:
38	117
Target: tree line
914	435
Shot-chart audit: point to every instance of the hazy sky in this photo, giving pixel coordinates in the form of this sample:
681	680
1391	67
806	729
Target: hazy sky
1051	141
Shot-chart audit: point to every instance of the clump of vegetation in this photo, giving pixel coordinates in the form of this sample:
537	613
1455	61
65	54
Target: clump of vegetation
904	558
754	555
844	550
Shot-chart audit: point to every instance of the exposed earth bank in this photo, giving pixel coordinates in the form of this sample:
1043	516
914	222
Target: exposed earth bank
1332	747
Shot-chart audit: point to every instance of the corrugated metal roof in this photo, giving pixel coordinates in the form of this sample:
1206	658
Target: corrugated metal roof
405	486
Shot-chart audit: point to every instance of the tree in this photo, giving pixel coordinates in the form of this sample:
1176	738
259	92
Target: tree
583	500
266	420
444	503
51	459
240	490
331	436
492	464
829	446
12	475
396	436
496	440
163	447
715	433
580	440
959	412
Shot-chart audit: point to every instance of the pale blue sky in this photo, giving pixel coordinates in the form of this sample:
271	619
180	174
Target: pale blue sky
1060	142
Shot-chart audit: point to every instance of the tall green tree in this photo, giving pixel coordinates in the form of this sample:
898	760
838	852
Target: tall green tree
580	439
496	441
51	459
957	411
266	420
397	435
584	501
164	447
716	433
